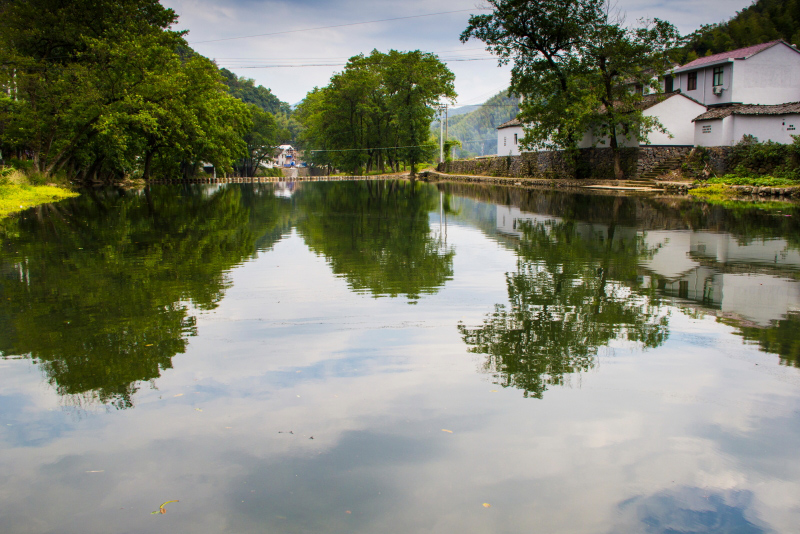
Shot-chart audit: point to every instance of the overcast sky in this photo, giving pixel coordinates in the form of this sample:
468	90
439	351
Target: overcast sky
213	23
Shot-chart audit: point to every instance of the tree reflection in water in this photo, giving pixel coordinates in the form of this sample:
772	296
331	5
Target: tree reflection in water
377	235
574	291
99	290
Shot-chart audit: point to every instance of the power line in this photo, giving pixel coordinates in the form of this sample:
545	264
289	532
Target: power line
336	26
336	64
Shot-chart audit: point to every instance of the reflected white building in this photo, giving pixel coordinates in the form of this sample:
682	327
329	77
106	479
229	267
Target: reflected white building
750	281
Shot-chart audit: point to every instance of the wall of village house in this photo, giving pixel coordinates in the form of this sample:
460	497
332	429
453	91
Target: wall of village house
705	83
507	145
711	133
769	77
730	130
675	114
766	127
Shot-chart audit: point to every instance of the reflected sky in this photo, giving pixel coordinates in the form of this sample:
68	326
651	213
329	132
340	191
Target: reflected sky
695	431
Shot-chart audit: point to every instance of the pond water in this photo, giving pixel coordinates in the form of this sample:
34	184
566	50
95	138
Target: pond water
394	357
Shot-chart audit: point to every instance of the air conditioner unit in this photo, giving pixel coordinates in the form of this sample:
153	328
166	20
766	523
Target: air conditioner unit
717	90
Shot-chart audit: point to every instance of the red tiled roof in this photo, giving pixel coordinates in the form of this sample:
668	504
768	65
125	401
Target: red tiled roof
740	53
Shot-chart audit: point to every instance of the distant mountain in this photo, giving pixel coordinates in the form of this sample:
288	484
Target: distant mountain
476	127
763	21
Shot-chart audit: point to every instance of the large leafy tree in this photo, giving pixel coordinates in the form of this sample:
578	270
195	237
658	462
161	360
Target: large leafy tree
376	112
101	87
576	65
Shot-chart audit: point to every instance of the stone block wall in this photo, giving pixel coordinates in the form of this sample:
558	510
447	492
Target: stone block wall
585	163
651	157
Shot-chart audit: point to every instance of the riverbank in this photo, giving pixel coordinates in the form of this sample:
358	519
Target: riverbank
17	197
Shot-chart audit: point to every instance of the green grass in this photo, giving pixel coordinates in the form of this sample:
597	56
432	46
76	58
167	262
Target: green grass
759	181
14	197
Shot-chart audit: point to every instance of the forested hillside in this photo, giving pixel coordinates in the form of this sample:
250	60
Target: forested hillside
477	130
248	92
765	20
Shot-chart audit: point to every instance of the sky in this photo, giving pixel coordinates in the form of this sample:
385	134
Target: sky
293	62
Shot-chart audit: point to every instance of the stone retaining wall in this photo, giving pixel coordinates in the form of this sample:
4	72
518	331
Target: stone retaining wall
592	163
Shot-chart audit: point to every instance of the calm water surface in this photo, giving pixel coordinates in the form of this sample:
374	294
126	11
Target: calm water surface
382	357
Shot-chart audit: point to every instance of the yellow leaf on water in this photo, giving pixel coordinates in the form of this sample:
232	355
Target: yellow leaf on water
149	345
178	395
448	431
493	391
198	409
161	509
487	505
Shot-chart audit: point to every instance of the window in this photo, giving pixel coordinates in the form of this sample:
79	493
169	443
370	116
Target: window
504	140
515	139
691	84
707	128
790	127
668	86
717	76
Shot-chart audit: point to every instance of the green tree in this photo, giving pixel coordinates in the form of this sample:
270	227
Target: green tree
376	112
100	88
575	65
261	140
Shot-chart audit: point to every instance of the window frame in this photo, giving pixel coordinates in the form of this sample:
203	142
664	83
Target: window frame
718	78
691	81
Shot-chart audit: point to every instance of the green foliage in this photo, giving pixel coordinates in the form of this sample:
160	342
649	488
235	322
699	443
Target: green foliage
376	113
760	181
575	65
752	158
567	298
128	270
104	89
763	21
16	197
377	236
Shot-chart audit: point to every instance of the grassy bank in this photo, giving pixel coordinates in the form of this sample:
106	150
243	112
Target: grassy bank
17	193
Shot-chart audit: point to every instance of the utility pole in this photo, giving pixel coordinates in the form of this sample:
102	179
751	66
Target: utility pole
446	124
441	137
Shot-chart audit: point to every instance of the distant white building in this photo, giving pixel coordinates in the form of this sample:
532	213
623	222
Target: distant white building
509	134
286	156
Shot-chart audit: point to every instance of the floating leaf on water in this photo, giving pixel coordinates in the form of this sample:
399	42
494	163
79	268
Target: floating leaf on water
493	391
198	409
149	345
348	512
161	509
487	505
178	395
448	431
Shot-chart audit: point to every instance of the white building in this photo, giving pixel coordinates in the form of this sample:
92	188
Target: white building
725	126
509	134
674	111
714	101
286	156
768	73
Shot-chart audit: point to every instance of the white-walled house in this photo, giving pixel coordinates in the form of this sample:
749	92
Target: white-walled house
725	126
509	134
674	111
713	101
768	73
